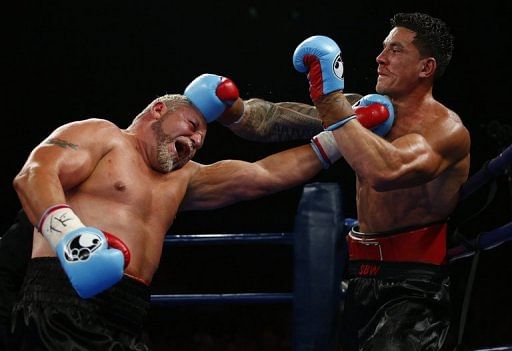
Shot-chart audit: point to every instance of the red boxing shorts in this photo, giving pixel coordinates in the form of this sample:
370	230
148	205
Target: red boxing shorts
422	245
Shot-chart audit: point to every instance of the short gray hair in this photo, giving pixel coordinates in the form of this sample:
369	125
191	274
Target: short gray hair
171	101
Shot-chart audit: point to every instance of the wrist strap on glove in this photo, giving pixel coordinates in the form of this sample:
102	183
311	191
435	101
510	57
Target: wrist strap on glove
341	123
57	221
326	149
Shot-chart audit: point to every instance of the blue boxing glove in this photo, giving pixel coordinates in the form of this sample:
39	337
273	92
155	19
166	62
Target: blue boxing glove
320	56
88	262
84	253
375	112
211	94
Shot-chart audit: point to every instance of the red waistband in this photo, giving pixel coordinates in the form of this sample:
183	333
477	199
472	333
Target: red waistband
426	245
140	280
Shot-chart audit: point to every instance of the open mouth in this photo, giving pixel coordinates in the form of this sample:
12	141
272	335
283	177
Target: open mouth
184	149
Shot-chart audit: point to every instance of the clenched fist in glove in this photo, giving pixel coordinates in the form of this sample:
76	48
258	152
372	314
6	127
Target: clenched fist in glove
212	95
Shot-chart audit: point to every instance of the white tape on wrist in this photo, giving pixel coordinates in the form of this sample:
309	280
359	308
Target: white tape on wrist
326	148
57	221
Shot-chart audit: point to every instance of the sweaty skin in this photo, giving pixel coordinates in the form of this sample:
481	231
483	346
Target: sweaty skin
117	181
413	175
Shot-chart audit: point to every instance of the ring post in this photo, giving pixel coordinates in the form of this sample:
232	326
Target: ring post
319	254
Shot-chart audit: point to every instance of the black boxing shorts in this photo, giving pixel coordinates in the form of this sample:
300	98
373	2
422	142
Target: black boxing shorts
49	314
15	251
397	296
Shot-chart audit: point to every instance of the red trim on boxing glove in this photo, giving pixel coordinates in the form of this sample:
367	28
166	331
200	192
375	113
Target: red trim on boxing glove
116	243
316	88
372	115
227	91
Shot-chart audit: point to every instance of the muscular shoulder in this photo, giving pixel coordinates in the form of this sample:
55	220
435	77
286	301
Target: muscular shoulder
90	125
93	137
448	132
92	130
447	121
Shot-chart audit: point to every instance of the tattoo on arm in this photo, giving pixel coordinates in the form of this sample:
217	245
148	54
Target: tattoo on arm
274	122
282	121
62	143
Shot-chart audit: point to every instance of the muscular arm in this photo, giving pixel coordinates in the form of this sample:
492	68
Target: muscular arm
410	160
62	161
230	181
266	121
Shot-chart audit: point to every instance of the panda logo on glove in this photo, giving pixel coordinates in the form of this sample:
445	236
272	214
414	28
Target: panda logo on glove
337	66
81	247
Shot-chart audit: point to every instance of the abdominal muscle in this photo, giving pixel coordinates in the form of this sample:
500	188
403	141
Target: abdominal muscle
390	210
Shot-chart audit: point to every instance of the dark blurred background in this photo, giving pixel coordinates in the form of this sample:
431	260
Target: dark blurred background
67	61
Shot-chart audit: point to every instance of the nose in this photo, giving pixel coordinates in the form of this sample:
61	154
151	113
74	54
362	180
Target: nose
197	139
380	58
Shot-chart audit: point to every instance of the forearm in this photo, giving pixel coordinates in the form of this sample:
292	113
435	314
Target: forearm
333	107
290	168
266	121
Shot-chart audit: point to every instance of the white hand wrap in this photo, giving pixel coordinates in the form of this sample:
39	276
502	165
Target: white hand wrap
326	148
56	221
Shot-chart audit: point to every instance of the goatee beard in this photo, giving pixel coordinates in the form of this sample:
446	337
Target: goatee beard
165	158
184	147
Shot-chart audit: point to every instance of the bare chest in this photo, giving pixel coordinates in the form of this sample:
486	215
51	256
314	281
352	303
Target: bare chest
123	183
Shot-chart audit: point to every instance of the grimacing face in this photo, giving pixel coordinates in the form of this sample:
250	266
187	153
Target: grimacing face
179	134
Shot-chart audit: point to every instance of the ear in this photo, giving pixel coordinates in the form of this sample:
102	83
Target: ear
158	109
428	68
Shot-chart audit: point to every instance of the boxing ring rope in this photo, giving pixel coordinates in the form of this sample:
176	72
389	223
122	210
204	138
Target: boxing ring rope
221	239
181	299
484	241
490	170
491	239
225	239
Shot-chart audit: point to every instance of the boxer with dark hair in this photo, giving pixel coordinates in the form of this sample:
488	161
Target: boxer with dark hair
407	185
102	199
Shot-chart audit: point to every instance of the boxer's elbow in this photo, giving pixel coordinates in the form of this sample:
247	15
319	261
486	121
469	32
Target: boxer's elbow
385	172
398	169
382	179
398	179
21	180
22	184
380	182
32	178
